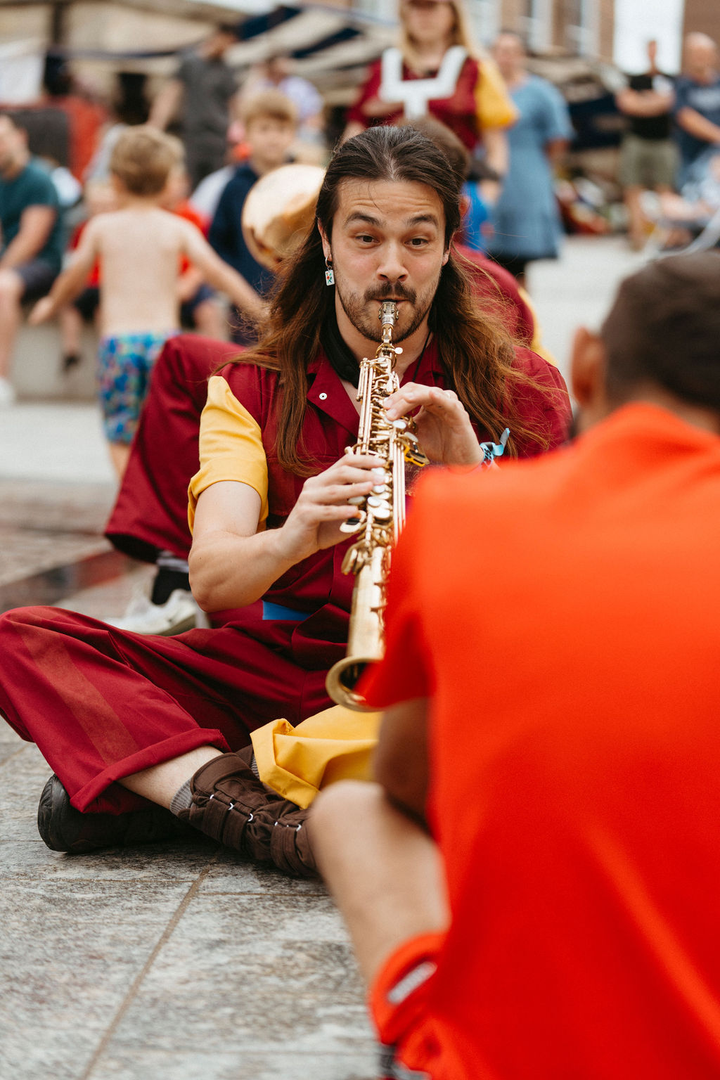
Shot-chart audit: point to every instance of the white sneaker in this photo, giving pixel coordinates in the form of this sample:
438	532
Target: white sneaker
7	394
177	614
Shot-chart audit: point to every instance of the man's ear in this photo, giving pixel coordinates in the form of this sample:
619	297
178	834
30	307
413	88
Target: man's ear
445	257
587	372
327	250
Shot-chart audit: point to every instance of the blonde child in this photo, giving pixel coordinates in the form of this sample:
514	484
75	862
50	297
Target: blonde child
139	246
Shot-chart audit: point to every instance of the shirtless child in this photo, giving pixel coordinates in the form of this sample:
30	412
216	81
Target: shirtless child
139	246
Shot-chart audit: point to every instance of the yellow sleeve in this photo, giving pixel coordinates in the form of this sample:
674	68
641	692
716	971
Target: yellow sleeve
231	447
494	106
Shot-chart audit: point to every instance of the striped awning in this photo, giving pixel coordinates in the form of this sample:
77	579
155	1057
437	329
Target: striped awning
329	45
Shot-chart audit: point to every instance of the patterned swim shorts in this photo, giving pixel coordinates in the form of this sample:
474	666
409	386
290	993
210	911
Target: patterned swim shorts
124	365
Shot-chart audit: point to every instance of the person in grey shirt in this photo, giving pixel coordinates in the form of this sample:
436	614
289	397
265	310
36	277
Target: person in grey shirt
202	92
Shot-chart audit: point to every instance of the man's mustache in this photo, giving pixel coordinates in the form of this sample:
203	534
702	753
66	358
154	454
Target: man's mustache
396	292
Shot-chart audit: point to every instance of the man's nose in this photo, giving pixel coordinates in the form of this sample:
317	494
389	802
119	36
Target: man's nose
392	262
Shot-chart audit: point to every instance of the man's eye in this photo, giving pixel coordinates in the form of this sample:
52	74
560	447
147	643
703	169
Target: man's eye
364	238
419	241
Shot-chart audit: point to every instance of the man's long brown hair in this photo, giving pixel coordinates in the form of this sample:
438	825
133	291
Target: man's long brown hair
476	350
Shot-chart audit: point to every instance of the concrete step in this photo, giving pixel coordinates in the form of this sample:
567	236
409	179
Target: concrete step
37	370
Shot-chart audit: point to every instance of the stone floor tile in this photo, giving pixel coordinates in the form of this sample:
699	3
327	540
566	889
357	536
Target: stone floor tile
69	954
230	874
62	1053
213	1063
252	973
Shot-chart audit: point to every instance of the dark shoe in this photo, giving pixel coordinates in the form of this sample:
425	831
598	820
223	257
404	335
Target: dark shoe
230	804
69	361
63	828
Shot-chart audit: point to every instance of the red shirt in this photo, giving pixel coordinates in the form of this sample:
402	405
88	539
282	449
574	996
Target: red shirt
572	662
459	112
317	585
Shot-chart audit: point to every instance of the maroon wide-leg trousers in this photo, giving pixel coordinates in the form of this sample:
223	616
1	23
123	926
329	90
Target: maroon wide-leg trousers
102	703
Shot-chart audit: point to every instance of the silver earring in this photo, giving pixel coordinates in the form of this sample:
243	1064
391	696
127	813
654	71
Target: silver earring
329	274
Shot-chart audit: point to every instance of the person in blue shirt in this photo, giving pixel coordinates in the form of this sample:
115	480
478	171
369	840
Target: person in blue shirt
31	245
697	105
525	219
270	126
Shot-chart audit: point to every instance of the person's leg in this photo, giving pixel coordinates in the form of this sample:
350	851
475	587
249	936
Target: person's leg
150	514
122	719
383	870
70	322
119	456
636	218
12	288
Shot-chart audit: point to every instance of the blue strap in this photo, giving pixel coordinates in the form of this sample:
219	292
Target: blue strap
282	614
492	450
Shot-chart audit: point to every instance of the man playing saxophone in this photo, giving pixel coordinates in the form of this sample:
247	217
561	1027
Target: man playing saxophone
138	726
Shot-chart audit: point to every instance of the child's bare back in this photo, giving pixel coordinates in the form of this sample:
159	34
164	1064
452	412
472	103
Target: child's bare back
139	249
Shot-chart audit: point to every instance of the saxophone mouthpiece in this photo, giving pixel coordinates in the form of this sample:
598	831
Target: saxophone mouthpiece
388	313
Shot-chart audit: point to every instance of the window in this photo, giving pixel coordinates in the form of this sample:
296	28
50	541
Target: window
536	24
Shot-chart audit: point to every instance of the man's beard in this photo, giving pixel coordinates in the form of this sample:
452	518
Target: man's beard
368	322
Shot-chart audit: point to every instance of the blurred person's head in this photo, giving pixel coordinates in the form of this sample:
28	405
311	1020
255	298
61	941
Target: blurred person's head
428	23
270	120
509	54
14	153
221	39
141	161
701	57
659	343
277	68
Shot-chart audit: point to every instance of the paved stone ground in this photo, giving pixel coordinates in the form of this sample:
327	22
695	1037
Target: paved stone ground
171	962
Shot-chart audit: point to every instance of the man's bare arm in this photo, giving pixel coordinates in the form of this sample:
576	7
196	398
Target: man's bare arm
497	156
698	125
166	104
35	226
645	102
401	758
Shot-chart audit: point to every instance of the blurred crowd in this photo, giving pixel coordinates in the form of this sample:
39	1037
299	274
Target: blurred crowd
57	168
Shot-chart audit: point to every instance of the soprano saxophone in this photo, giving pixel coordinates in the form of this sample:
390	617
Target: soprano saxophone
380	515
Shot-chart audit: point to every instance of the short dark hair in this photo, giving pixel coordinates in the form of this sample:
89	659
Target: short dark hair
664	329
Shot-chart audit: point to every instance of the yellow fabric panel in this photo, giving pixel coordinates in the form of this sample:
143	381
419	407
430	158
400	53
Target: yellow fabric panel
231	447
336	744
536	344
495	108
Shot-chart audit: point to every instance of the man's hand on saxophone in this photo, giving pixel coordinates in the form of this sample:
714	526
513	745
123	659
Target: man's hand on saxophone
324	504
234	560
443	428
